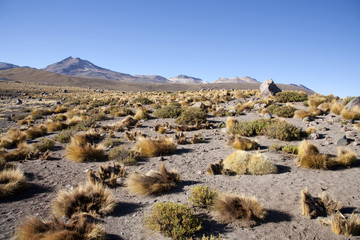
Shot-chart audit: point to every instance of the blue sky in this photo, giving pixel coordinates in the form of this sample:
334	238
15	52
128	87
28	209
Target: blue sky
315	43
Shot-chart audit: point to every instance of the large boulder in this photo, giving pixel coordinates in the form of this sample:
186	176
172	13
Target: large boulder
269	88
354	102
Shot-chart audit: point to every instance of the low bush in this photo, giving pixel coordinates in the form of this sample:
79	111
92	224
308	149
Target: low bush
142	100
249	129
124	155
283	131
174	220
290	96
191	116
169	111
202	196
44	144
284	111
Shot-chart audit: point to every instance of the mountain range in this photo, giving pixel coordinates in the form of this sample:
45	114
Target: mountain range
78	67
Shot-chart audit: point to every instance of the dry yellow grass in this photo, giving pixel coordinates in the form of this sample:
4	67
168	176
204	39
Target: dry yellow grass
237	209
74	120
56	229
241	143
230	122
346	226
128	121
141	114
242	162
350	114
314	207
357	126
36	131
310	130
13	137
55	126
79	150
346	156
336	107
153	182
300	114
11	180
93	199
148	147
21	153
316	100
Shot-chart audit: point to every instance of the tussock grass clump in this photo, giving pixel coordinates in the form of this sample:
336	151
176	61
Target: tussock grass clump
202	196
56	229
346	226
124	155
290	149
353	114
283	131
238	209
142	100
132	135
55	126
316	100
169	111
309	157
191	116
13	137
290	96
92	199
241	143
314	207
242	162
39	113
300	114
148	147
36	131
231	122
60	109
310	130
141	114
153	182
21	153
79	150
129	122
242	106
346	156
107	175
336	107
11	181
174	220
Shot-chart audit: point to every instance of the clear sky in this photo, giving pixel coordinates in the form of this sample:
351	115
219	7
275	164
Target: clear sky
312	42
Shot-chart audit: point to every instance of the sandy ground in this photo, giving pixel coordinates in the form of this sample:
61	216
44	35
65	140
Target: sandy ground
279	193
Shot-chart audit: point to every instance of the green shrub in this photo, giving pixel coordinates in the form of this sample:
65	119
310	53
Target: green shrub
143	100
64	136
168	111
191	116
284	111
110	142
283	131
290	96
44	145
124	155
202	196
275	147
252	128
174	220
290	149
270	109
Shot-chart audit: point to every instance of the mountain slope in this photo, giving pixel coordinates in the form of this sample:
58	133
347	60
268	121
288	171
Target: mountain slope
186	79
5	66
237	80
83	68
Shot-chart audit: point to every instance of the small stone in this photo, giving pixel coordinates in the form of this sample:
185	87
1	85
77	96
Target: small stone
18	101
342	141
314	136
200	172
198	105
65	91
267	116
307	119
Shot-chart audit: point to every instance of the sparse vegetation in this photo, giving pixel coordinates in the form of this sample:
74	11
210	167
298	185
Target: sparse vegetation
79	150
148	147
169	111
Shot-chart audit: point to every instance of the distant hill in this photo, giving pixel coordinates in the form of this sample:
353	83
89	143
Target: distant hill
83	68
302	86
35	76
186	79
237	80
5	66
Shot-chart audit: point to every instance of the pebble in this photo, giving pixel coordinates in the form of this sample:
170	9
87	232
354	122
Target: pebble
342	141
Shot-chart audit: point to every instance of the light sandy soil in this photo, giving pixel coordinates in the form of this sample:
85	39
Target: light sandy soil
279	193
